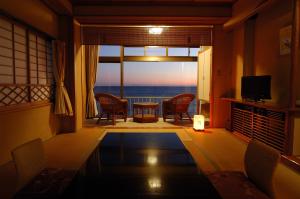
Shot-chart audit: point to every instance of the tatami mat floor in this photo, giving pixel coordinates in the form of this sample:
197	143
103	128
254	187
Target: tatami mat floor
213	149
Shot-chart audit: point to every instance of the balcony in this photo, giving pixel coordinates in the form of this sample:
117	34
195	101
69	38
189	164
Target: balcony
155	99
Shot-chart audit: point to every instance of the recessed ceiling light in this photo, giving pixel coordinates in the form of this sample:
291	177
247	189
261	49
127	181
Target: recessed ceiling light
155	30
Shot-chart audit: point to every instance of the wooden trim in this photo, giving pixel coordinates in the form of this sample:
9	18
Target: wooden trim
109	59
46	59
25	85
241	17
6	75
270	106
3	28
8	66
13	52
212	85
37	59
291	162
5	46
289	121
60	7
142	26
24	106
147	58
6	37
295	50
132	20
175	3
20	50
28	65
122	72
160	58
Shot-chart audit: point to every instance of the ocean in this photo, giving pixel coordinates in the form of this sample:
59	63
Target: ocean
142	94
159	91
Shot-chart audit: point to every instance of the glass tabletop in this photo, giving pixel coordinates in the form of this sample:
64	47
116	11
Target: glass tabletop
145	165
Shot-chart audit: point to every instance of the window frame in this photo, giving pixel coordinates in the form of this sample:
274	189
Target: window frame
16	95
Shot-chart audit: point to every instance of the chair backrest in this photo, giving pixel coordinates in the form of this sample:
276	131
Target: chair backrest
260	164
108	102
181	102
29	160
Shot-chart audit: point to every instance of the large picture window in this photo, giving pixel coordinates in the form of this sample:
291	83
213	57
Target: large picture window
136	77
25	65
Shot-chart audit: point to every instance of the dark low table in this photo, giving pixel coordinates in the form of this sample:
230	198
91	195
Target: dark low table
145	112
146	165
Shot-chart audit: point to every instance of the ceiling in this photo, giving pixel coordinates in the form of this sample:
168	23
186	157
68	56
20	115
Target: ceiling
153	2
125	22
152	12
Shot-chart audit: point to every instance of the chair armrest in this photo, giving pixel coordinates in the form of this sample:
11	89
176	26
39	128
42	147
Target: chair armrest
124	100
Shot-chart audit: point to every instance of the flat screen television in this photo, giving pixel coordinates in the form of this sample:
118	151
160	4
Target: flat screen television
256	88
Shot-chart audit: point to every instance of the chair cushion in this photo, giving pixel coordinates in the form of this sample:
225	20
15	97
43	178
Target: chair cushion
235	185
29	160
260	163
50	183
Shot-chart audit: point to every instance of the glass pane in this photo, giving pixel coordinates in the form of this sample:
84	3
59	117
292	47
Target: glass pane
155	51
155	81
178	52
108	78
134	51
109	51
194	52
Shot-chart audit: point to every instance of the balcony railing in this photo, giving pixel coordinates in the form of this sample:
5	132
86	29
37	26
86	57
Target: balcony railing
155	99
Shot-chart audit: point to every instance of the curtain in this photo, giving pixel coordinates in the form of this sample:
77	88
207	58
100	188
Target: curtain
63	104
91	57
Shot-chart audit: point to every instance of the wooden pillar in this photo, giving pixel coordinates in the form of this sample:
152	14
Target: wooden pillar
66	34
122	72
295	53
220	76
294	90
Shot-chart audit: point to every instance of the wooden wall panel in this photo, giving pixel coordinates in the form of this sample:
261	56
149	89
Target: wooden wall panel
33	12
221	75
267	57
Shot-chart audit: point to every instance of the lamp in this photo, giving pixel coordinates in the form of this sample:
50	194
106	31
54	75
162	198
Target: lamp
152	160
198	122
155	30
154	183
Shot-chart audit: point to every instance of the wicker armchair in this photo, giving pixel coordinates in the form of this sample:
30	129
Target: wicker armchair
112	106
177	106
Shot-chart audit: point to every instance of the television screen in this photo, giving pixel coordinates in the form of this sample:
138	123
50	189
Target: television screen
256	87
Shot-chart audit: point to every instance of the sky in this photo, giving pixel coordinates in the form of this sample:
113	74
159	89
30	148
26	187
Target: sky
145	73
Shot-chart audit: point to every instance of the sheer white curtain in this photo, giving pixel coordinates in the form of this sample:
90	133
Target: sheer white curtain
91	57
63	104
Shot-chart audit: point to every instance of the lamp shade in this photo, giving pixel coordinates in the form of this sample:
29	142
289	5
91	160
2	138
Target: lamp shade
198	122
